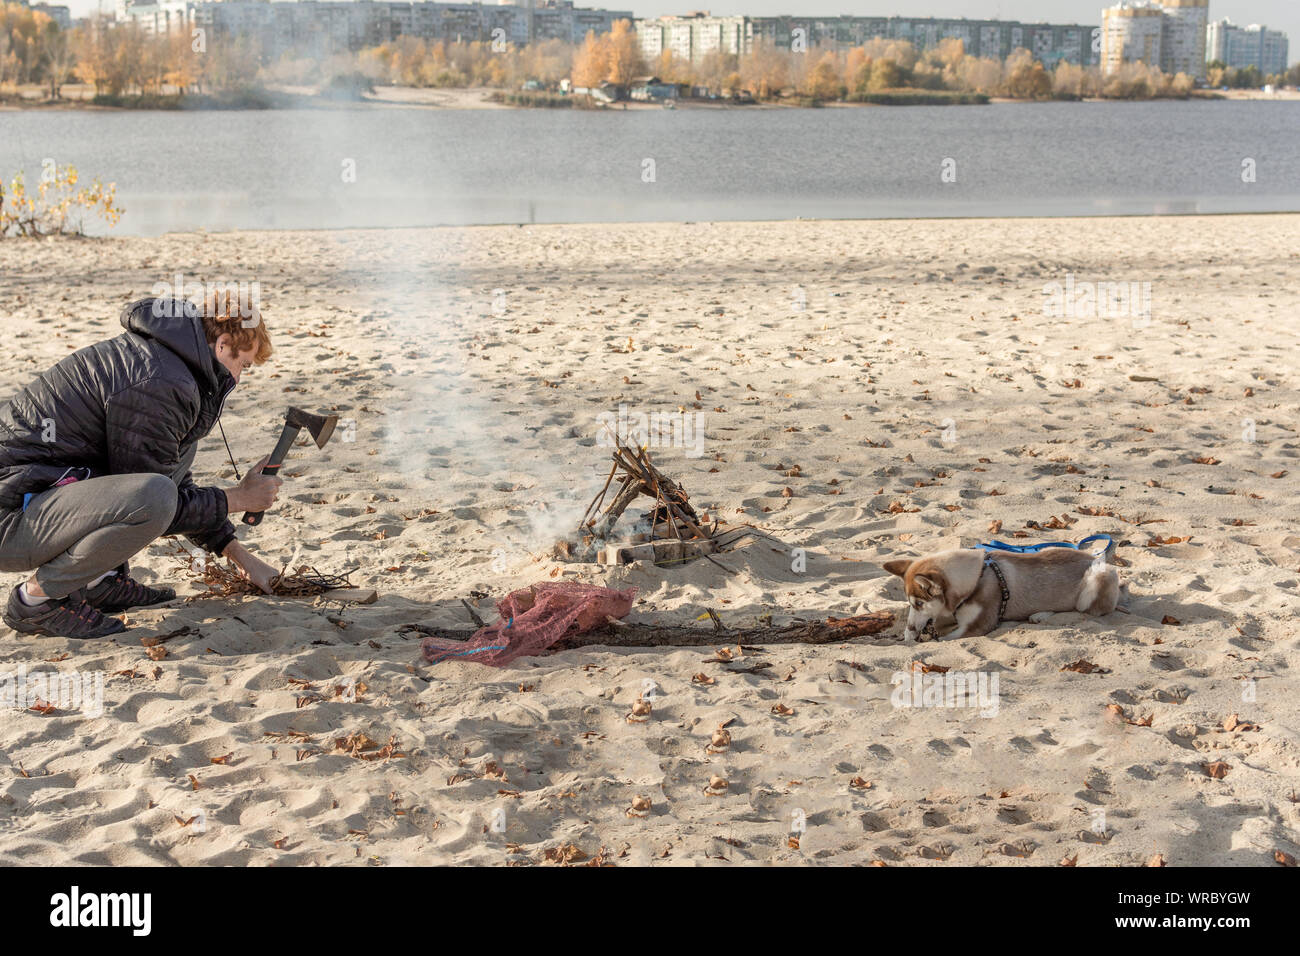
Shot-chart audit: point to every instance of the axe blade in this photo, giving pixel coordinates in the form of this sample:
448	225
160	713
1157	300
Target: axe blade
320	427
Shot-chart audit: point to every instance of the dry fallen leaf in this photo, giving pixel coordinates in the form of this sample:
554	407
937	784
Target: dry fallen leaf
781	710
1285	859
566	853
1085	667
719	741
1218	770
1231	723
925	668
1115	710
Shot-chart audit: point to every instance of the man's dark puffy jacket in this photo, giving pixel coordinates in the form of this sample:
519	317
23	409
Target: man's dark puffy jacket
135	403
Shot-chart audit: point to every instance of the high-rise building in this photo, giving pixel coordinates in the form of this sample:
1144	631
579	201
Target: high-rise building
1182	47
1169	34
1131	32
694	36
1242	47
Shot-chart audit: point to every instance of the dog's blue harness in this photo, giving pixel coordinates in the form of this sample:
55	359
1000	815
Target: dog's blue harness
1034	548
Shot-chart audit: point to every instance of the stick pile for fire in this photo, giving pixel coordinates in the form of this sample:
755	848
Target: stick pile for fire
222	580
672	517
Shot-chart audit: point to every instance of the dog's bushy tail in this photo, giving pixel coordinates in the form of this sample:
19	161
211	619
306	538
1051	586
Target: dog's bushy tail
1099	592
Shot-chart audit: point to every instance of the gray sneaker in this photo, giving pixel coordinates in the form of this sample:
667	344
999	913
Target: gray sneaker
63	617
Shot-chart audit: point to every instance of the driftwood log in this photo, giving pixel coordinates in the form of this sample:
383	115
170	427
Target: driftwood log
617	633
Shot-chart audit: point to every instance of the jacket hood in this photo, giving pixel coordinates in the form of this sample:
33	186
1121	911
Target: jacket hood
175	324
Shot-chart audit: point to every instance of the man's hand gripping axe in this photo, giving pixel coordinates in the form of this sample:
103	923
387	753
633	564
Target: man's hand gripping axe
320	427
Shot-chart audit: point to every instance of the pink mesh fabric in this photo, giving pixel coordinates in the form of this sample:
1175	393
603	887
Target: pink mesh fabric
533	619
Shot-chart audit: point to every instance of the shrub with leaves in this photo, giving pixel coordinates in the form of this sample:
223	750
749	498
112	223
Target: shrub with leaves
58	206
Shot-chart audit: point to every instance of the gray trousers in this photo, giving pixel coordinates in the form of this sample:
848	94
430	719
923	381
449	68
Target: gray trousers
73	534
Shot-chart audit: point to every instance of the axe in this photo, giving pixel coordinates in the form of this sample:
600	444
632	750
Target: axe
320	427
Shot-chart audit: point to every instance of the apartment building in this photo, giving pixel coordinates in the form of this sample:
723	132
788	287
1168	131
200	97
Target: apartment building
1169	34
1242	47
695	35
1183	44
318	27
1131	33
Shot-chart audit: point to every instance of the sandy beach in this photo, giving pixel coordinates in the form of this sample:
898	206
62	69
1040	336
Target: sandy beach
866	390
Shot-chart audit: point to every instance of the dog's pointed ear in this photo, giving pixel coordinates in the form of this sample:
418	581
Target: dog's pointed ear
898	566
931	584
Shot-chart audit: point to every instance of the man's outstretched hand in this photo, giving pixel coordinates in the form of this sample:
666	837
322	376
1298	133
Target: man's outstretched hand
256	492
254	568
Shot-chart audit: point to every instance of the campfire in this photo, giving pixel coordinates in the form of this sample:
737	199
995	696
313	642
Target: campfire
670	533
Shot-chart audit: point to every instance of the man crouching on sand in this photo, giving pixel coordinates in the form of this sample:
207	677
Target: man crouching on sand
95	462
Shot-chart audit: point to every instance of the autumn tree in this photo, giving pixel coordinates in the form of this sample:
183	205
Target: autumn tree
886	74
591	64
623	54
823	81
22	34
766	71
93	48
1025	77
857	70
59	59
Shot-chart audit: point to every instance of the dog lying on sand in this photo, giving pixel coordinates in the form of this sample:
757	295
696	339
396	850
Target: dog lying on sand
982	589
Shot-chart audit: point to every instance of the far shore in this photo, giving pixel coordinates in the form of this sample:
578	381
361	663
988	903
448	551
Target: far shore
79	97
